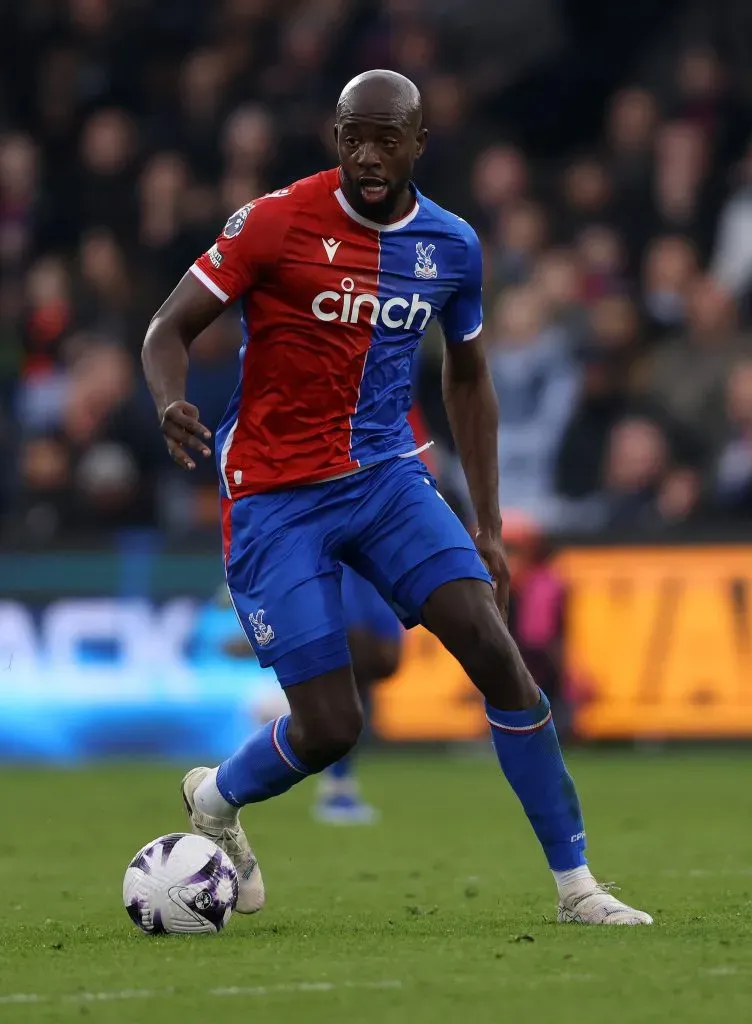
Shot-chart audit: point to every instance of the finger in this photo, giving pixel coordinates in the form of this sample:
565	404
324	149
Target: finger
188	423
180	435
194	427
195	443
173	431
182	458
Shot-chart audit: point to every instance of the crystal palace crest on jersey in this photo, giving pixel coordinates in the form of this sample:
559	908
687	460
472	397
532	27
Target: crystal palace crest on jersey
425	268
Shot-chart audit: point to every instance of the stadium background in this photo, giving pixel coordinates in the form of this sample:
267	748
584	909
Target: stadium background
602	152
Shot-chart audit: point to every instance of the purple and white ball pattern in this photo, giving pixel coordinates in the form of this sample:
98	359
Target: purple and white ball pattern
180	883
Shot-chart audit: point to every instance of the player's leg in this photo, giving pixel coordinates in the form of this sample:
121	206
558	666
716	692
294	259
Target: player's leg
286	590
438	578
374	636
323	725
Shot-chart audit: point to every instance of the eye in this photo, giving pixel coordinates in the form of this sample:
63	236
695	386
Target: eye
389	143
351	142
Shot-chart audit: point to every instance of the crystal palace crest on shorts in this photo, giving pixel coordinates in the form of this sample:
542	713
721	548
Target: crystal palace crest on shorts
263	634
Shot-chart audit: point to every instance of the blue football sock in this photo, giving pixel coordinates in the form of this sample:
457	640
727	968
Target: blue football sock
342	770
264	767
529	754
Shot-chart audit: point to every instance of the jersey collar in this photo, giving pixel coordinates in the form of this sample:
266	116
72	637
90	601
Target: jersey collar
339	195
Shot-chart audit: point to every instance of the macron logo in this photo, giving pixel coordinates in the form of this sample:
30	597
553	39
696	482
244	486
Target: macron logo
330	247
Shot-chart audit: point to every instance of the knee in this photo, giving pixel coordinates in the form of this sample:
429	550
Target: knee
486	649
325	739
387	658
373	659
476	635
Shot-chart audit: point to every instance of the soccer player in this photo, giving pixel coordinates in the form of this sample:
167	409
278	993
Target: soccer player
339	275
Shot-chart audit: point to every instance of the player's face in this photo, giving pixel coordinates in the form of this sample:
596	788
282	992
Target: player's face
377	155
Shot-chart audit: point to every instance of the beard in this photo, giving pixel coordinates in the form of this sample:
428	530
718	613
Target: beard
381	210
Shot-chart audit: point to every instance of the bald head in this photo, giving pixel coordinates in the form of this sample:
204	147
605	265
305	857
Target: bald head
380	134
381	94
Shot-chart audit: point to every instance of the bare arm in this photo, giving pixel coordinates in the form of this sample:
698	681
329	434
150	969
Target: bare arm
189	309
473	413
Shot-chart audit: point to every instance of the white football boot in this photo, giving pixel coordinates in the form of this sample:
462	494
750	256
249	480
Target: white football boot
587	902
229	836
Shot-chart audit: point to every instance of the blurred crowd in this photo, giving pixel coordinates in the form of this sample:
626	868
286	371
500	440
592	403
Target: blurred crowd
618	272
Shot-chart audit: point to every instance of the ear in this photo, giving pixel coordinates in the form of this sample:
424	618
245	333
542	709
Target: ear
420	142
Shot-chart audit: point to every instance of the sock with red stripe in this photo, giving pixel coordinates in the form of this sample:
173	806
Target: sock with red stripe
530	756
263	767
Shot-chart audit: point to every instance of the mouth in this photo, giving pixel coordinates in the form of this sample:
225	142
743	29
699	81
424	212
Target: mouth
373	190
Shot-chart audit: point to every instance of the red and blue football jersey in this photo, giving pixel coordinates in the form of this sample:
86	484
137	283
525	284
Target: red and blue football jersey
333	309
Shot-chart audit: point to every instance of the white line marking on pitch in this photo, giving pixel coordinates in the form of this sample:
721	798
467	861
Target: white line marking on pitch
708	873
19	998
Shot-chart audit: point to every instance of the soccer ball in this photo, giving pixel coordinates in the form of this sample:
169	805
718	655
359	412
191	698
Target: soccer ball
180	883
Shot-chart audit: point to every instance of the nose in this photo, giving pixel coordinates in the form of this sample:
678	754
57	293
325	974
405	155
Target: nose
368	157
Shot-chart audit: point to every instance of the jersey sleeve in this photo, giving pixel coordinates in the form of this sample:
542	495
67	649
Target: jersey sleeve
461	318
249	244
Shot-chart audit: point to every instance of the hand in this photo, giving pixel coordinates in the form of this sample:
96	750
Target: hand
181	429
491	550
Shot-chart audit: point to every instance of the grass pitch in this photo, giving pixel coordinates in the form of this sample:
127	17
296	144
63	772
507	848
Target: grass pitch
443	912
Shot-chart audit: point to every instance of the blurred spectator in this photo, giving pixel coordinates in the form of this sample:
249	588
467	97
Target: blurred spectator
683	201
558	278
641	487
500	178
603	261
95	466
105	175
536	382
161	188
734	470
630	139
103	287
702	96
537	608
688	374
19	200
45	509
247	141
604	401
630	131
455	135
669	272
614	329
587	192
732	257
48	314
204	79
520	235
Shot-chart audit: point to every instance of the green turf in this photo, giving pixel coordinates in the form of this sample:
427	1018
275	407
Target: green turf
441	913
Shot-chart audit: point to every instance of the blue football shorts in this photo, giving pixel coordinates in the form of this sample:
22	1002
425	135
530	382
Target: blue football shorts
285	551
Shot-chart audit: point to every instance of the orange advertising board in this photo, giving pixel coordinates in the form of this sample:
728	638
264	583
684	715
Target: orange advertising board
659	639
430	698
662	638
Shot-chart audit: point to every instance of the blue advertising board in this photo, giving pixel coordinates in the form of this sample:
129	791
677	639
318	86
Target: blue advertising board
103	657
